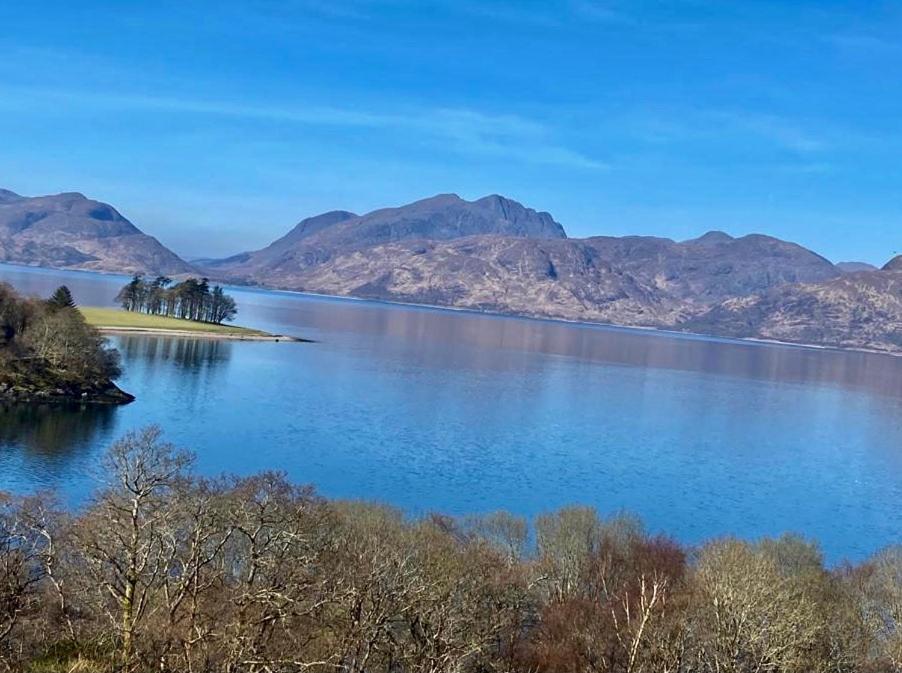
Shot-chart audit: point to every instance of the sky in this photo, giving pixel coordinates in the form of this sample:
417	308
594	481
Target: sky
216	126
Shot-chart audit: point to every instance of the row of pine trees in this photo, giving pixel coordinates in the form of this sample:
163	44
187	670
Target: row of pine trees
192	299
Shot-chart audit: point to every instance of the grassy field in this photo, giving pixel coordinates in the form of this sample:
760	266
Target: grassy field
115	318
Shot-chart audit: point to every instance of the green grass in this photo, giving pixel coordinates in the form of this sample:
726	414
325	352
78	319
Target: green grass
111	317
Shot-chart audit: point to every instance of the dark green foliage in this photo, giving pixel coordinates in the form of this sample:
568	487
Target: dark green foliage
192	299
47	349
61	298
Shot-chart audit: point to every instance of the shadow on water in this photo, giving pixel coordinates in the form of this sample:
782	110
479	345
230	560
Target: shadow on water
52	431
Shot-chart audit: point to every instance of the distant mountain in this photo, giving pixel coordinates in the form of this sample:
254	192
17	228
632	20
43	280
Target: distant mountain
628	281
495	254
895	264
318	240
74	232
855	267
859	310
715	266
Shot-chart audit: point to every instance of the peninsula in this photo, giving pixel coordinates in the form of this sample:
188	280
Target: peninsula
115	321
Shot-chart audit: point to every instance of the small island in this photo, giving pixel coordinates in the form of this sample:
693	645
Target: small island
49	353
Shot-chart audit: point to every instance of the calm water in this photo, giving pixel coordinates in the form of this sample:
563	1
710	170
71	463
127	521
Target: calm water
462	413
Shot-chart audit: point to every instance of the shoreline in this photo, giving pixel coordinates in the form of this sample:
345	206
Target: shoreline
640	329
197	334
662	331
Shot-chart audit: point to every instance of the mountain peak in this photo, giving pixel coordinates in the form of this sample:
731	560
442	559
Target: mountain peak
895	264
713	238
448	216
855	267
311	225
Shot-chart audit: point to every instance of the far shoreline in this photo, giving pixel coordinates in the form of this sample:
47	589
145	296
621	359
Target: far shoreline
639	329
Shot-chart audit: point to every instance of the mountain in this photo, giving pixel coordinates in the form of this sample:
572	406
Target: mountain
855	267
495	254
321	239
857	310
71	231
895	264
715	266
628	281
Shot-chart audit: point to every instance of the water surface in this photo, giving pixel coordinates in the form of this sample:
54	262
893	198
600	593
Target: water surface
459	412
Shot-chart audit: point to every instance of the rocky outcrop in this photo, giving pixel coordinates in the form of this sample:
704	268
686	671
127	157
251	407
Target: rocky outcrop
41	384
74	232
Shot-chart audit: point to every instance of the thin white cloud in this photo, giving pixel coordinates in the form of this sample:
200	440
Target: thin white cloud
865	44
463	130
781	131
600	10
726	126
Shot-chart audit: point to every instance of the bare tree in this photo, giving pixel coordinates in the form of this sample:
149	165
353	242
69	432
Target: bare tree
751	617
120	539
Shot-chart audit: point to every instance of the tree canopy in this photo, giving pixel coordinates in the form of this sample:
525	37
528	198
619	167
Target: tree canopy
61	298
192	299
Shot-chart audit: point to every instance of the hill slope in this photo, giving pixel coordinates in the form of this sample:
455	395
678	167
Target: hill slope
858	310
71	231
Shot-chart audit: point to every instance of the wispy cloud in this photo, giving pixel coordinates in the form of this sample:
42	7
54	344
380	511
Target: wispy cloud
459	129
864	44
601	10
732	126
781	131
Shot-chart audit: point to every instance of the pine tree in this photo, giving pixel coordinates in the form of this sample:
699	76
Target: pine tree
61	298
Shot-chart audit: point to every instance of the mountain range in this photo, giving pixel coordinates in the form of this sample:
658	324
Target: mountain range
494	254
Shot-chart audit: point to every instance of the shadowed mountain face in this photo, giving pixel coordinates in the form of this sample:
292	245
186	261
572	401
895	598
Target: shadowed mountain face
895	264
72	231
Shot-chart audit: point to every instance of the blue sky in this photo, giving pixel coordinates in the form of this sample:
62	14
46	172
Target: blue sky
215	126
